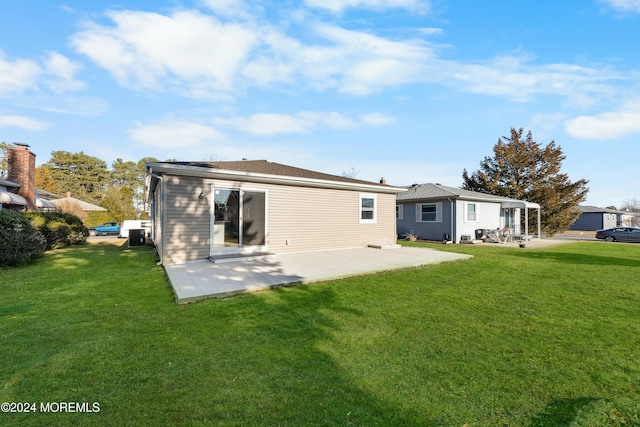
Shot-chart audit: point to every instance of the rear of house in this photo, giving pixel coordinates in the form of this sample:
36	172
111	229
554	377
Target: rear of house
216	209
437	212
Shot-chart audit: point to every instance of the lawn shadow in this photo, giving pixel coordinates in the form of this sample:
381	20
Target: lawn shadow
288	333
561	412
577	258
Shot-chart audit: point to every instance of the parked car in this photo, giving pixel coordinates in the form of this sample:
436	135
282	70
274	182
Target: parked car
105	229
619	234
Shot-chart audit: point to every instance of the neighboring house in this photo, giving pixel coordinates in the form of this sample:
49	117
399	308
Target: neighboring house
438	212
202	210
85	206
593	218
18	190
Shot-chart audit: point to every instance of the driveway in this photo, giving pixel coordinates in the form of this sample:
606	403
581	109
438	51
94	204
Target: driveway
203	279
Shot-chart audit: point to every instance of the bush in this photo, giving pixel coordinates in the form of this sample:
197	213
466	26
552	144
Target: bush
60	229
20	242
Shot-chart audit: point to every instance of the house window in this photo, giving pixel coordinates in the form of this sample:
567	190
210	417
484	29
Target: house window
367	209
428	212
471	212
399	211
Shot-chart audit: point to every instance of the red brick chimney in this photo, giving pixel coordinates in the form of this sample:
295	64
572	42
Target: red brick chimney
21	165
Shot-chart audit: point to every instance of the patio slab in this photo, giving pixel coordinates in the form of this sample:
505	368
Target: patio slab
198	280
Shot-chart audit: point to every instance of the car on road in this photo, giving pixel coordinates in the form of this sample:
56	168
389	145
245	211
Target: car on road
105	229
619	234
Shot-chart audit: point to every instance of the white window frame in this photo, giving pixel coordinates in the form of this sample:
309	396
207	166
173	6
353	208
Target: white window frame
438	206
399	211
476	211
361	209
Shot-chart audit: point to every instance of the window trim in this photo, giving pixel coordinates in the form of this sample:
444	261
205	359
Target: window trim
438	206
476	211
399	211
361	209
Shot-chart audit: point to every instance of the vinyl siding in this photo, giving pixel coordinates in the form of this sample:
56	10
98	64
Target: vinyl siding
186	220
298	218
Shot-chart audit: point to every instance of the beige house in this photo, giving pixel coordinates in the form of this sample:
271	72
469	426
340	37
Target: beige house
217	210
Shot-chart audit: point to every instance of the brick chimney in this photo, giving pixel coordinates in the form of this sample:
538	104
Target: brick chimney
383	181
21	165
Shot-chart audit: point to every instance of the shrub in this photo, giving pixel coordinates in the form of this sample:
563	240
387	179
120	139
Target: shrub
20	242
59	228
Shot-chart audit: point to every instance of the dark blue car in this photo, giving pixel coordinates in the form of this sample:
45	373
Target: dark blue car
619	234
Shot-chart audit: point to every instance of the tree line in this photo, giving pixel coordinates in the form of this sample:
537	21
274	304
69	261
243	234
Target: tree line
119	188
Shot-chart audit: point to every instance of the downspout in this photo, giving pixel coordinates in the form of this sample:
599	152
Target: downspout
160	201
452	222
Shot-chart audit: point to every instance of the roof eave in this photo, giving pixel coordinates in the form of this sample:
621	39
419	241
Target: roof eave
231	175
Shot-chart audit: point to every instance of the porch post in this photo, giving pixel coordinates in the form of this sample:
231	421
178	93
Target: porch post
526	222
539	223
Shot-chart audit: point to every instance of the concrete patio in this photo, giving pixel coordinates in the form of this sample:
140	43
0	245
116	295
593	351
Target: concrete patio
198	280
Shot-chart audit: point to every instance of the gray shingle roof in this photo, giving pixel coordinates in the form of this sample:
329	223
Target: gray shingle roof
271	168
437	191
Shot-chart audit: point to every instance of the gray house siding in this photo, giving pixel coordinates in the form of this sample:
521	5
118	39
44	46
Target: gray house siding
590	221
297	218
432	230
488	216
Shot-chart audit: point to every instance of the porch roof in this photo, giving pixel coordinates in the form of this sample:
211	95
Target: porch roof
519	204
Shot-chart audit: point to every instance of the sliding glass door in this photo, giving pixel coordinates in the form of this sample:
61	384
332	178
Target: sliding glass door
238	220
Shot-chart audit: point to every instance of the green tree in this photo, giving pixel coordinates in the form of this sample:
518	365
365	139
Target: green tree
3	158
86	177
522	169
118	201
141	175
124	174
45	181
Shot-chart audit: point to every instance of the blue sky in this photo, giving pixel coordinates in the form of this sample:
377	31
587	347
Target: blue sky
411	90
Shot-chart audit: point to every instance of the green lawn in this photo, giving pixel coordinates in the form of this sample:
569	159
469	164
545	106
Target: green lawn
512	337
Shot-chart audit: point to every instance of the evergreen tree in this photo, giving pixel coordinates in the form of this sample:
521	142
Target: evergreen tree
45	181
522	169
84	176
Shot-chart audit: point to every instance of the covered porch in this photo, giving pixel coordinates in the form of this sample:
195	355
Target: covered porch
517	230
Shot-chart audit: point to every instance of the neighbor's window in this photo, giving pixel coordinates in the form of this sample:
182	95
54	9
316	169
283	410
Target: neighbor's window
472	212
367	208
399	211
428	212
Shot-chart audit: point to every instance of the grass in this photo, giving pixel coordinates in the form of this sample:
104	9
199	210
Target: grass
512	337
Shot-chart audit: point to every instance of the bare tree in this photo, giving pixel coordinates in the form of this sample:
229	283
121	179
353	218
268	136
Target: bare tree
351	173
631	205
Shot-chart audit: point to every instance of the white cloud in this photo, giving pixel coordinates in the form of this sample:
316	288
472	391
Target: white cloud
377	119
62	72
172	134
609	125
22	122
17	75
338	6
270	124
199	56
227	7
518	78
56	72
623	5
360	63
185	48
